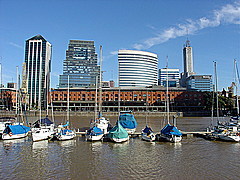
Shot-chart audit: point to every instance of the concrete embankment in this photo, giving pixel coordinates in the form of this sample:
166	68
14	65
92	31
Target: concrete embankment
85	113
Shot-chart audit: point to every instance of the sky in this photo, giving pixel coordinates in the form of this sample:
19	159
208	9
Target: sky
157	26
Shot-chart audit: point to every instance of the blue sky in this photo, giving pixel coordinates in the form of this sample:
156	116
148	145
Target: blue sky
157	26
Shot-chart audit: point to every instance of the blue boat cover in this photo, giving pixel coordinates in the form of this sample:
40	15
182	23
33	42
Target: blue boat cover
94	131
118	132
147	129
44	121
171	130
65	125
127	121
16	129
64	132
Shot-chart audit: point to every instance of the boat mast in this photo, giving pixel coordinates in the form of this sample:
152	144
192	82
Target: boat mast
17	95
146	107
236	84
96	95
100	84
68	100
216	87
167	92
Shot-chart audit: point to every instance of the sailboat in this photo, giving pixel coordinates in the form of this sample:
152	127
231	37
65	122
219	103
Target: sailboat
147	132
42	129
99	127
15	130
118	134
128	121
169	132
64	132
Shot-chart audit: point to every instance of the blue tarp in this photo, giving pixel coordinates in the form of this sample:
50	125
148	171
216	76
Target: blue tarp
147	129
16	129
65	125
64	132
44	121
127	121
171	130
94	131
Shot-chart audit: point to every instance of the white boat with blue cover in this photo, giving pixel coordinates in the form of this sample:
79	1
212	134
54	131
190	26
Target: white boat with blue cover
128	121
15	132
94	134
148	134
170	133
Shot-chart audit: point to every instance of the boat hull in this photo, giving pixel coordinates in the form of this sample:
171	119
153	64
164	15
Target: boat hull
41	134
232	138
173	138
148	137
130	131
13	136
94	138
119	140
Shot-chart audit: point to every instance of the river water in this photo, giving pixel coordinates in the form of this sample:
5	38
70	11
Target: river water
193	158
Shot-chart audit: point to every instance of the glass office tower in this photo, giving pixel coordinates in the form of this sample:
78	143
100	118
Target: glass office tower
36	71
80	65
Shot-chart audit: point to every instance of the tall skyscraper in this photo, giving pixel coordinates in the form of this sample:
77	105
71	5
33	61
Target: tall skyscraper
187	62
80	65
137	68
36	71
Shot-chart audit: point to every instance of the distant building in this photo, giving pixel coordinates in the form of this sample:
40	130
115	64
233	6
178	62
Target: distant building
172	75
12	85
108	84
36	72
80	65
200	83
187	62
137	68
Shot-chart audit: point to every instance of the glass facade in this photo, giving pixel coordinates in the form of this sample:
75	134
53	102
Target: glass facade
173	76
80	65
37	70
200	83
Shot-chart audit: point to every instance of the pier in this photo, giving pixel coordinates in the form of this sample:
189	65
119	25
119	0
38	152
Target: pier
137	134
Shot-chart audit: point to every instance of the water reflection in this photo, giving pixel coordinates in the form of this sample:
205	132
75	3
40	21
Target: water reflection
39	145
67	144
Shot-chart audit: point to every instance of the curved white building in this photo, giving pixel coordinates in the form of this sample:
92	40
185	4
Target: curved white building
137	68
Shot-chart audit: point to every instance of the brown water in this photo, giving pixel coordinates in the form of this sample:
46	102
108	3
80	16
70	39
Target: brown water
193	158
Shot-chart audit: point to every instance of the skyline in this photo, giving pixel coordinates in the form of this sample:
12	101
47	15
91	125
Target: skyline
213	28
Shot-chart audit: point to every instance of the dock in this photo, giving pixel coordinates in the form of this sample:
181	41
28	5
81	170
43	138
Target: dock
137	134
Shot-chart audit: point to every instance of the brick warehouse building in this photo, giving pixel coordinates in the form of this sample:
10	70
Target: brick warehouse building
83	99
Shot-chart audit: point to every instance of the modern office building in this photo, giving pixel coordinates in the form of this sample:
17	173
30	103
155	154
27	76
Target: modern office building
187	63
170	75
80	65
200	83
137	68
36	72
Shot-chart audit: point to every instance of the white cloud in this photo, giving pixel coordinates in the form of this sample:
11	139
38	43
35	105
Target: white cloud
16	45
228	14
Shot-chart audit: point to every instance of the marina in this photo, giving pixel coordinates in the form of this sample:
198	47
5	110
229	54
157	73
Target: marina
192	158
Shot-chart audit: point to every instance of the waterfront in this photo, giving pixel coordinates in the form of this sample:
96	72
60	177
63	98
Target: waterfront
193	158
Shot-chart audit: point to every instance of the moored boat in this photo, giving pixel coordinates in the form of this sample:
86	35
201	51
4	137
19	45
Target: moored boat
118	134
148	134
170	133
128	121
15	132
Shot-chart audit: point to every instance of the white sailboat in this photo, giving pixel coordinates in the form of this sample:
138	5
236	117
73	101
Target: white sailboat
169	132
147	132
15	130
99	127
64	132
42	129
